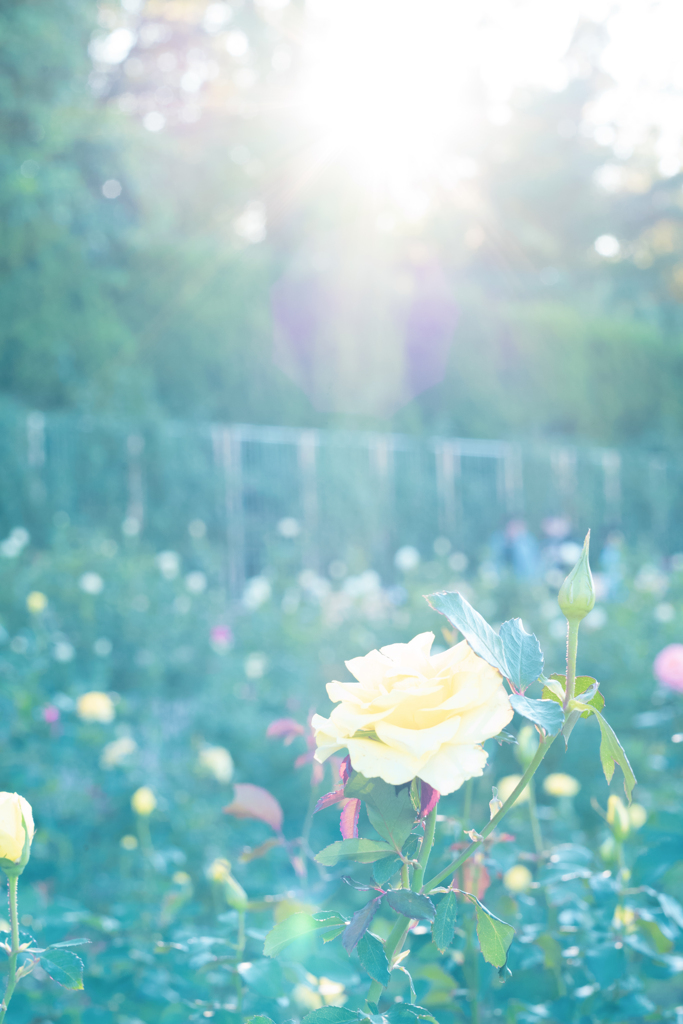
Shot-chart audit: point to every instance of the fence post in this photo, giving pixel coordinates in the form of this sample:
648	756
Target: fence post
448	479
227	449
307	445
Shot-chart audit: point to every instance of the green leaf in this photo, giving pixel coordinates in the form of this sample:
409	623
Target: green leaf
411	904
373	958
611	753
69	942
259	1018
365	851
494	936
552	951
443	928
523	654
359	924
295	927
390	812
545	713
385	869
331	1015
582	683
63	967
476	630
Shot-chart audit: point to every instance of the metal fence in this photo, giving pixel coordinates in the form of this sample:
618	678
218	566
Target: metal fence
365	493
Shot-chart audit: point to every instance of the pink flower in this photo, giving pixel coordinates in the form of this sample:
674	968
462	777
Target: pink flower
221	637
50	714
668	667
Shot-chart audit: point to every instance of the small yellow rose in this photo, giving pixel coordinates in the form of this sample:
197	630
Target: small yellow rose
506	787
16	826
143	801
618	818
36	602
517	878
559	784
415	715
217	761
95	706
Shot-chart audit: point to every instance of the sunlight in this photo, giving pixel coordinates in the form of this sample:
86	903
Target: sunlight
392	93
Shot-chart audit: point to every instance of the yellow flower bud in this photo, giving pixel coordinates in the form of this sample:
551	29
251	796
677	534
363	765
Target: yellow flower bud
507	785
637	815
618	819
517	878
36	602
559	784
128	842
221	873
181	878
16	832
143	801
95	706
577	594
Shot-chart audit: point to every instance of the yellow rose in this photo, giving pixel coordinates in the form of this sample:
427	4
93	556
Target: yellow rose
143	801
16	825
415	715
560	784
36	602
95	706
517	878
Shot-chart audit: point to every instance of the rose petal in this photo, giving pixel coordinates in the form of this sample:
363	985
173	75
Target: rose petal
429	798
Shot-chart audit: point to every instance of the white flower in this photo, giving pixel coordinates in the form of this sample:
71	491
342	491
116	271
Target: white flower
415	715
195	582
168	563
256	592
255	665
91	583
407	558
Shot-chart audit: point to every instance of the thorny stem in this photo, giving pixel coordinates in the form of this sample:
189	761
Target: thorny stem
426	849
496	819
13	881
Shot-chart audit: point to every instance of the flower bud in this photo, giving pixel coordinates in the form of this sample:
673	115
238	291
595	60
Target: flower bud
16	833
577	594
495	803
143	801
95	706
518	878
221	873
618	819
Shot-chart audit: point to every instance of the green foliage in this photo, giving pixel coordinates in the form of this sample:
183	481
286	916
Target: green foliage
494	936
389	808
523	655
365	851
474	628
545	713
411	904
443	926
296	927
373	958
63	967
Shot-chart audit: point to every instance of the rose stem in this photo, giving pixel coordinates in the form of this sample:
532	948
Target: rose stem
535	823
13	881
521	785
427	844
572	645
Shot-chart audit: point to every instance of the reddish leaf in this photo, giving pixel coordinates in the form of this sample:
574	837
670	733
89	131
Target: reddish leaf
348	822
345	769
328	800
254	802
285	728
429	798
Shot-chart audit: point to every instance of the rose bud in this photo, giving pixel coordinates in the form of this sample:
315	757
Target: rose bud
16	833
577	594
